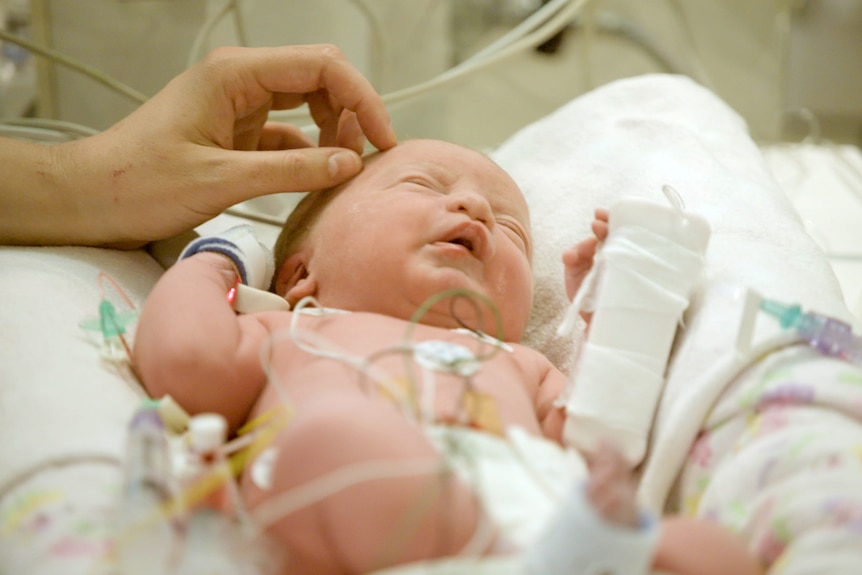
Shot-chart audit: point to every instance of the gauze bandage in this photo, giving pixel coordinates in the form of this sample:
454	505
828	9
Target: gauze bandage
578	540
638	289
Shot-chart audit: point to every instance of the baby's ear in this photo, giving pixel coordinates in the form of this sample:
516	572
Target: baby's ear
294	282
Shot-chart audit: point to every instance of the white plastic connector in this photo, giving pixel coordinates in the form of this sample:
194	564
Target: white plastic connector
207	432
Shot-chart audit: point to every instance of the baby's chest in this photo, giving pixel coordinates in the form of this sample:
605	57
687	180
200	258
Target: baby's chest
448	375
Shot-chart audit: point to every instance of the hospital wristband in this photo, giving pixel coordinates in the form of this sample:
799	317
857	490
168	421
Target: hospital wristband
252	261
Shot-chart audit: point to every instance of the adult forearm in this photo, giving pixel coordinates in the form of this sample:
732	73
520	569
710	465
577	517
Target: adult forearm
36	206
202	144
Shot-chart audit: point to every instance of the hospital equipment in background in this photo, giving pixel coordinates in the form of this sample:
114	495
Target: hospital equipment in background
17	67
147	535
827	335
760	57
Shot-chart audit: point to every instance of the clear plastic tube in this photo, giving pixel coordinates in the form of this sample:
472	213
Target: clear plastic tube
219	537
146	530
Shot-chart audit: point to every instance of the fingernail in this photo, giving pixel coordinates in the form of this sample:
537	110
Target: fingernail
342	164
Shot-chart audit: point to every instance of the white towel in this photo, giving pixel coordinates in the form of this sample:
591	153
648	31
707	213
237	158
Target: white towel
58	399
630	138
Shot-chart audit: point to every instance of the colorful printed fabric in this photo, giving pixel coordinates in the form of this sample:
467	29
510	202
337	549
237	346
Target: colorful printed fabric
779	461
59	521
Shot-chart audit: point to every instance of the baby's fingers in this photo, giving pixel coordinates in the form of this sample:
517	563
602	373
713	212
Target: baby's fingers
578	260
600	224
611	488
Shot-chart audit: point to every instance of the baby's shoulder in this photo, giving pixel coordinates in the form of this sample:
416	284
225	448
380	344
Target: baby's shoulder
533	360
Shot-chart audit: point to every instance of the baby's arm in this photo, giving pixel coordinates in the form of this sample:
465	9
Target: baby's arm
686	545
611	487
699	547
192	345
552	418
578	260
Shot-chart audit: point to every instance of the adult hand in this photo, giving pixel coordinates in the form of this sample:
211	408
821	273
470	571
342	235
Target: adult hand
199	146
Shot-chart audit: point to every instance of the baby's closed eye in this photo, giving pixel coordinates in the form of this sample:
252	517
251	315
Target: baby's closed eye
424	184
515	230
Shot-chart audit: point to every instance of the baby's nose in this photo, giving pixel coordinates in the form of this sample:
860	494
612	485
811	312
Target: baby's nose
474	205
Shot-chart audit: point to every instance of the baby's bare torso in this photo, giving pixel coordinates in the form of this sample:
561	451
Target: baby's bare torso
503	391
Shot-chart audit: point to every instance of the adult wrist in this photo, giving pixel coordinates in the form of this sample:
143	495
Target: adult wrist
37	204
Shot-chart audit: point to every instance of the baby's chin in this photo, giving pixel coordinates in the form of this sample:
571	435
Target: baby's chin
464	309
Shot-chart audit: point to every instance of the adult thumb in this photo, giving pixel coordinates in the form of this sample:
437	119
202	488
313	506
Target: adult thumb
258	173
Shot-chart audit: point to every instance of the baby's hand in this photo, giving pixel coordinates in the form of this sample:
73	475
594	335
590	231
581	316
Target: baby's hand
611	487
579	258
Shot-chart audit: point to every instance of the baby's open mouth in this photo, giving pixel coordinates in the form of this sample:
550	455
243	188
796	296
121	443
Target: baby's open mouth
471	237
463	242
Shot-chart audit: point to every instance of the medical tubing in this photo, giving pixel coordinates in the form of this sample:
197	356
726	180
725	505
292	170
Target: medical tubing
535	21
693	52
641	289
283	504
566	12
377	44
76	65
474	298
469	66
45	129
219	535
205	31
829	336
317	345
146	528
208	480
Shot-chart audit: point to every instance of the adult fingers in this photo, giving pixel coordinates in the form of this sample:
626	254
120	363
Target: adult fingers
341	131
249	175
326	114
277	136
319	69
350	133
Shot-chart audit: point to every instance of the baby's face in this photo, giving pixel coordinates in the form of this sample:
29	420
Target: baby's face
425	217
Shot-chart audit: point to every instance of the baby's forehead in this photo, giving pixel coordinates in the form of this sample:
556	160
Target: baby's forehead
446	161
432	154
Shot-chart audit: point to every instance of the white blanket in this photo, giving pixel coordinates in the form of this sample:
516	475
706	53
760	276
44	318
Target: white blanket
58	399
630	138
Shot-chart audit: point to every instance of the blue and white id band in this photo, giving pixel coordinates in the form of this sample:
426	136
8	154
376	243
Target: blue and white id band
253	261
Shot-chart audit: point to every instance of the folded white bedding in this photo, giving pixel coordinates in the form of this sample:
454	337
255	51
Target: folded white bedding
58	398
630	138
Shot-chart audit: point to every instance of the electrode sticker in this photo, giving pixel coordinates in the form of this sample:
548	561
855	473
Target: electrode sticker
446	356
261	469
